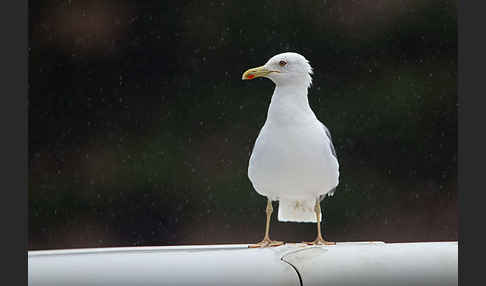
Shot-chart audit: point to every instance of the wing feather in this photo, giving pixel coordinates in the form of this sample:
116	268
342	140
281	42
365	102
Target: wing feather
333	151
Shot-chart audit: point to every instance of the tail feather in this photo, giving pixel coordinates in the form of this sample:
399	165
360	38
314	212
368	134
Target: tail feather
297	210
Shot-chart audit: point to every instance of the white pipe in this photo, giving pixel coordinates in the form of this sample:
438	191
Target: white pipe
292	264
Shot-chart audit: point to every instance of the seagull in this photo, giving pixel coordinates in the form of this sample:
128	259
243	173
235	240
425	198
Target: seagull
293	160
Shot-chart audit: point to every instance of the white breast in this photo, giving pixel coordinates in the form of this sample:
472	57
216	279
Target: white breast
293	161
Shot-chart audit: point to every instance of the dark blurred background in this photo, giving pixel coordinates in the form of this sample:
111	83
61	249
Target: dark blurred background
140	127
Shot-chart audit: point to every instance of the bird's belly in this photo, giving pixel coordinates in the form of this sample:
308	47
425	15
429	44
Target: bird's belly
292	165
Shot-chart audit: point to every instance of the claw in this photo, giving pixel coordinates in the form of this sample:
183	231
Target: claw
319	241
266	243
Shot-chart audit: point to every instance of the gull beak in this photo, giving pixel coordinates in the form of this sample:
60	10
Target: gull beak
255	72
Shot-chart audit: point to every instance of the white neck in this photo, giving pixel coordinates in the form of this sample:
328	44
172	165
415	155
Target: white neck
290	104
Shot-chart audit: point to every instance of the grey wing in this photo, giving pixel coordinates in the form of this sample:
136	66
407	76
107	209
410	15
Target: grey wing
333	151
330	140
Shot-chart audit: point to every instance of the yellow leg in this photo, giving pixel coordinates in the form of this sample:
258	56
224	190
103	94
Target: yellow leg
266	239
319	239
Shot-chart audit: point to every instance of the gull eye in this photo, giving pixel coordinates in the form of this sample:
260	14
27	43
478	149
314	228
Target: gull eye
282	63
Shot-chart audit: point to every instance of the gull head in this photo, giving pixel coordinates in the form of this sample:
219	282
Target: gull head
284	69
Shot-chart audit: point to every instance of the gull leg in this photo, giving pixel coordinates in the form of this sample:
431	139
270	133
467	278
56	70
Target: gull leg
319	239
266	239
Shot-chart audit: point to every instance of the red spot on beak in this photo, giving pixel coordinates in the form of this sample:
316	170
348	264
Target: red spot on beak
250	76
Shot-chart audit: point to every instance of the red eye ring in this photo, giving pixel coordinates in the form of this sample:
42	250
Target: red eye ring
282	63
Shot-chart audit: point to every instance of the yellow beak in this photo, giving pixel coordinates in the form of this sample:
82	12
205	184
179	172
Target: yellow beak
255	72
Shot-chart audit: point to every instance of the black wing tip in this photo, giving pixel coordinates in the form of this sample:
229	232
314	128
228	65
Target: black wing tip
328	194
